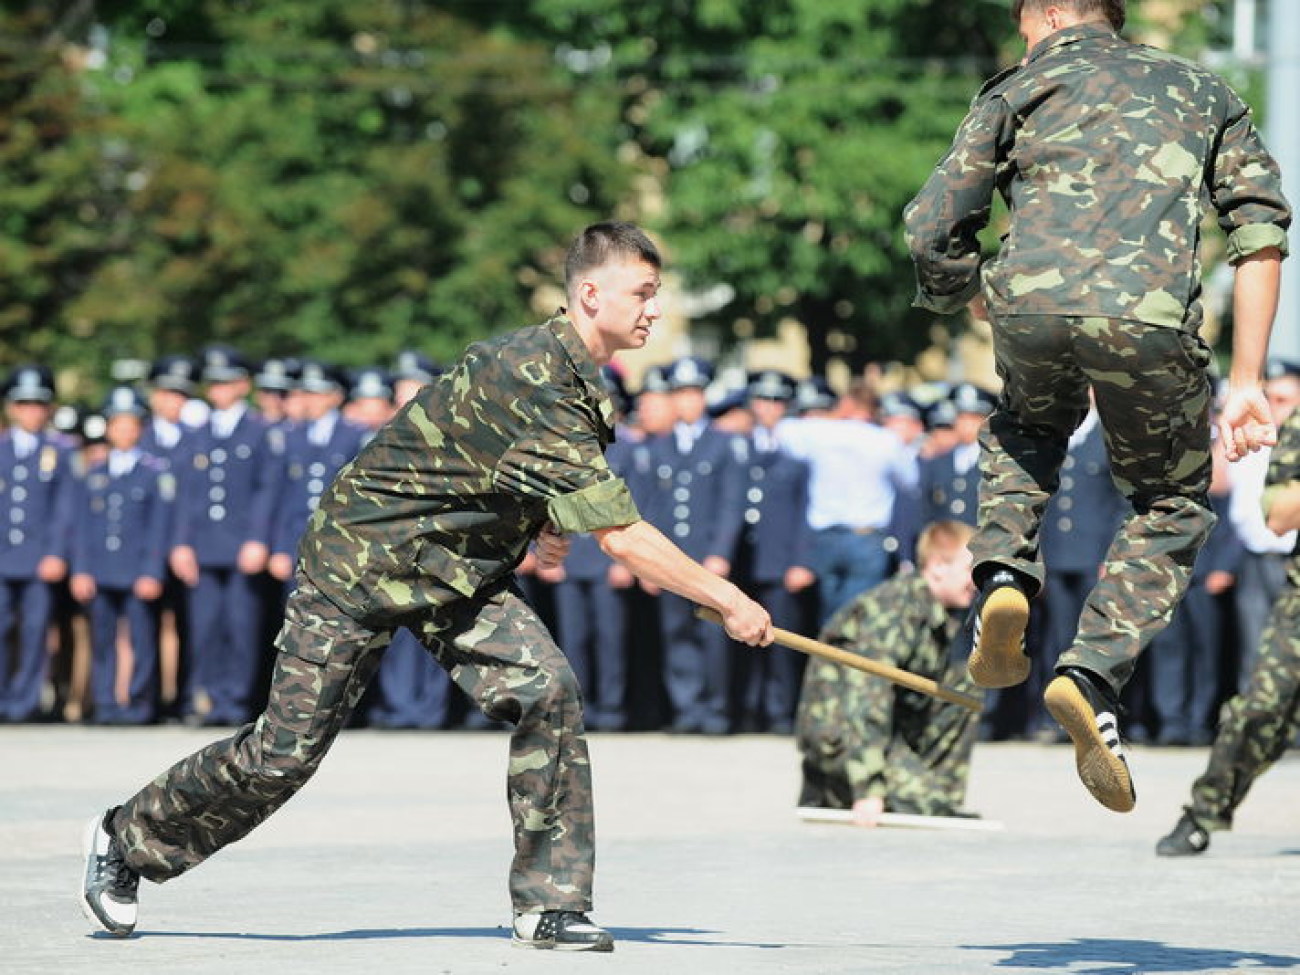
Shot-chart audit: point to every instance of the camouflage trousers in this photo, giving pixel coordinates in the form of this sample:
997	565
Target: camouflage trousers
927	762
496	650
1153	398
1258	725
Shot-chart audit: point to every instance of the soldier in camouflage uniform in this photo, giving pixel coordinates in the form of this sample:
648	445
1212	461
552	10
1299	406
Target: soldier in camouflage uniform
872	746
1103	151
423	529
1258	725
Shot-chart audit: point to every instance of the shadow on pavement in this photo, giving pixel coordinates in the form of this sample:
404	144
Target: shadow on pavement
661	936
1120	957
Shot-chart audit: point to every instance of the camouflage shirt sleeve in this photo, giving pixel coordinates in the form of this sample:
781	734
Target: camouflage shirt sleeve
1283	462
1247	189
943	222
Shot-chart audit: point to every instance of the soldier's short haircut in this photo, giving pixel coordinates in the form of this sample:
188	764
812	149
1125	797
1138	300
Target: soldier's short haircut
939	536
1113	10
603	242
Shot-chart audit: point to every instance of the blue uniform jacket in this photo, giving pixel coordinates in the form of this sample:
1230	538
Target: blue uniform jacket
308	471
36	498
122	524
776	535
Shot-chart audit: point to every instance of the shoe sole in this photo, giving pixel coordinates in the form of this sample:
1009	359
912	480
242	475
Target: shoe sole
554	946
1102	772
998	659
87	850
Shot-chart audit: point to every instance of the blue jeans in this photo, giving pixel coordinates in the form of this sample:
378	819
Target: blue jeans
847	563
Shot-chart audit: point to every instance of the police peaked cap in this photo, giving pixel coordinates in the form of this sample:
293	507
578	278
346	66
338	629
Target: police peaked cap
123	399
319	377
814	393
690	372
175	372
30	384
415	365
276	375
771	384
370	382
900	404
969	398
655	380
222	364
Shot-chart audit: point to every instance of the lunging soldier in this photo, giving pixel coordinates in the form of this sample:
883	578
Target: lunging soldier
423	530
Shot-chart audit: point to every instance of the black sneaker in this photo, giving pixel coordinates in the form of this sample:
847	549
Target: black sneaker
561	930
1188	839
108	895
1001	615
1087	711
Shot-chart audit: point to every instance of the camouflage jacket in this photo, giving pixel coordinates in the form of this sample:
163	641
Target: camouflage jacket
1104	151
1284	471
445	499
848	712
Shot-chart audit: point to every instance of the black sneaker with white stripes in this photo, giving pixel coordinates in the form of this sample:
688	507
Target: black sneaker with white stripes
108	893
561	931
1188	839
1087	709
998	657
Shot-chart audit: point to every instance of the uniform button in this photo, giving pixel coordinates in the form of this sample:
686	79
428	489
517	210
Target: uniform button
216	475
680	530
1068	462
217	493
16	537
243	451
958	506
1067	483
959	484
20	494
752	516
20	473
705	469
315	485
217	512
681	511
313	504
17	515
115	500
1066	503
664	472
681	494
684	477
754	495
112	543
316	470
1065	524
218	456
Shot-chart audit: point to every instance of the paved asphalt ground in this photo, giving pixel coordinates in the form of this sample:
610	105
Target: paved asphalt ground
394	860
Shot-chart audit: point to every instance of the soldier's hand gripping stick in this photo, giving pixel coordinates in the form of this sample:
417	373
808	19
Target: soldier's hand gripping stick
897	675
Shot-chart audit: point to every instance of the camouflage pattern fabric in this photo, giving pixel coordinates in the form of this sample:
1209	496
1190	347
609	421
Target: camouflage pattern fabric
423	530
443	502
1104	151
863	737
1257	726
496	650
1153	399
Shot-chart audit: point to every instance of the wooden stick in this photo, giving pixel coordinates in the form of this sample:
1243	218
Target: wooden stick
905	678
816	814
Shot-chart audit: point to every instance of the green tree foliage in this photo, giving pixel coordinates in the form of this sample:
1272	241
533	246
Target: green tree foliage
305	177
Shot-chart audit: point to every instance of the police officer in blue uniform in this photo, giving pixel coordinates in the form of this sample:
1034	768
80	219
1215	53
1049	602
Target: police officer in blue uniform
172	382
903	416
226	497
773	556
698	477
119	559
36	497
949	481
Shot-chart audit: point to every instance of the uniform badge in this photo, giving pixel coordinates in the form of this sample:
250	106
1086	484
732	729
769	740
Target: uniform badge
49	460
201	462
167	486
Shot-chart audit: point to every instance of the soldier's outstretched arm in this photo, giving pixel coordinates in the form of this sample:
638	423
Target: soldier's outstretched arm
1245	422
649	554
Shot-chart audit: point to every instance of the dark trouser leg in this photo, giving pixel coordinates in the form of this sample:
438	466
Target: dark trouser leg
217	795
501	654
1256	727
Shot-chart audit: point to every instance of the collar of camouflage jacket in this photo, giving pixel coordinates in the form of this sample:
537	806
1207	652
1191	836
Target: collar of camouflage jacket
1071	35
585	368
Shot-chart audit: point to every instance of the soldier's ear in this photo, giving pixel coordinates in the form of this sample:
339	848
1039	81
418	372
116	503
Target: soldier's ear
589	295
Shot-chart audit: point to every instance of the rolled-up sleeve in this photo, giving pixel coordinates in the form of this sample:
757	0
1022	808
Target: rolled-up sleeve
606	504
1247	190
